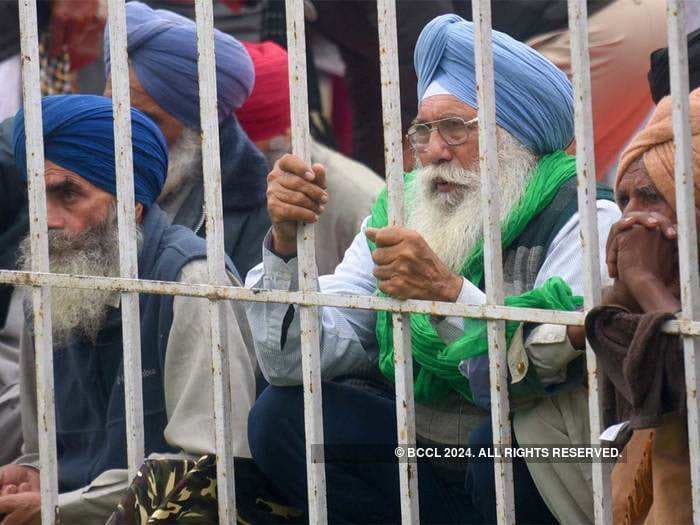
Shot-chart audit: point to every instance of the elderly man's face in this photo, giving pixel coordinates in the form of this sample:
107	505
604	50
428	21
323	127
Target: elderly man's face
73	204
438	151
169	125
637	192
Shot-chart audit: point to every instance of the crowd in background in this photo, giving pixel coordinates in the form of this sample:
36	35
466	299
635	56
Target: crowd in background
438	255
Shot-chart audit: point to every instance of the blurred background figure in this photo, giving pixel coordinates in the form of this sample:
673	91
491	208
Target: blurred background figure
163	76
265	117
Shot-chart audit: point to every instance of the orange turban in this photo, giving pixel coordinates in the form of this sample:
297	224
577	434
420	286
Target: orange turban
655	145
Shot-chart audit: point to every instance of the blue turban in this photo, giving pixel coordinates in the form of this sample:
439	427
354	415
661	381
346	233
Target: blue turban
162	49
79	136
534	99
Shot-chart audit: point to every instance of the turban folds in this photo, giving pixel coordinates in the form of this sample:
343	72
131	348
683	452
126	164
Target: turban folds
534	99
79	136
266	113
162	50
654	144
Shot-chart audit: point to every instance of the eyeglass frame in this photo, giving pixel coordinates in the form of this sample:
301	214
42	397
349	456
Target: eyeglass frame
432	127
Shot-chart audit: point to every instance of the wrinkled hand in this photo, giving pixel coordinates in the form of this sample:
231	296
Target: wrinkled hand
21	509
618	294
18	478
407	268
642	253
650	220
77	26
296	193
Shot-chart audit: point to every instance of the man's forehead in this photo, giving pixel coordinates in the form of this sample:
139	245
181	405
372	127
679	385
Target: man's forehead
441	106
55	174
636	175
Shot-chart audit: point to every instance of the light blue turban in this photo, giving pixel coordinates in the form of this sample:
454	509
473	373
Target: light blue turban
534	99
162	49
79	136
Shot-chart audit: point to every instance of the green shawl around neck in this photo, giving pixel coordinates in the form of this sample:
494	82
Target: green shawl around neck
435	367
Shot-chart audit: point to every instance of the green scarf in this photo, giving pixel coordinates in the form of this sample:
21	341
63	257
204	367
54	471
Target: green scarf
436	364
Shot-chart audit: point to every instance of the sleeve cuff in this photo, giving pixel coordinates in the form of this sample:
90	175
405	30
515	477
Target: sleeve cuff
451	328
278	273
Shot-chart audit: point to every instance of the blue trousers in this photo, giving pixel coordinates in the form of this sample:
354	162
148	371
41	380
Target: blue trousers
530	508
363	489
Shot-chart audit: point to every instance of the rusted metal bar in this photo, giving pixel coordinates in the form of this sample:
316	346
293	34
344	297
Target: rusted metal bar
41	295
687	231
393	156
493	266
128	267
211	168
308	272
585	167
365	302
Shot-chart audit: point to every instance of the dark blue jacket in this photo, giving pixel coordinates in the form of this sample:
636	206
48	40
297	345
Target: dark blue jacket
89	384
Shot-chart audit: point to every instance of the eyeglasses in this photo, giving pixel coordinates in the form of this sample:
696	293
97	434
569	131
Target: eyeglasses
453	130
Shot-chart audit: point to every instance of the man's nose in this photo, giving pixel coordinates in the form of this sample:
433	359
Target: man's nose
438	150
54	218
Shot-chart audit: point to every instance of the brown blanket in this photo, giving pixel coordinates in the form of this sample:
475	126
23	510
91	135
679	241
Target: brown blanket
643	367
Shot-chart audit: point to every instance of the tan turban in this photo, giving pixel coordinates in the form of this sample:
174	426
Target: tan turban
655	145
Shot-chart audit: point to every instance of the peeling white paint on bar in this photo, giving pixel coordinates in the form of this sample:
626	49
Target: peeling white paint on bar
363	302
41	295
393	157
687	234
493	257
211	166
128	268
585	167
308	272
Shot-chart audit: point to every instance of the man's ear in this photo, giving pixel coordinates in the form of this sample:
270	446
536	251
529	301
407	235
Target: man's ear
139	212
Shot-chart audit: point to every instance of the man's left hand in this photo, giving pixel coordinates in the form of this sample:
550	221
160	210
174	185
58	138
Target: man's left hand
23	508
407	268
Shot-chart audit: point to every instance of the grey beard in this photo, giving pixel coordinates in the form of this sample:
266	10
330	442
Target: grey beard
92	252
451	223
184	164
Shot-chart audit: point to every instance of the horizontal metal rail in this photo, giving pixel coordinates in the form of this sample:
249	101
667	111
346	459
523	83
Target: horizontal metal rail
361	302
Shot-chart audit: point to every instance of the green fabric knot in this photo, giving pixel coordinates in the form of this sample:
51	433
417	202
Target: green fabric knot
436	364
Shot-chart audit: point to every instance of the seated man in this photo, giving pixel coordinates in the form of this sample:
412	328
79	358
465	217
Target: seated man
87	332
643	368
438	256
164	85
265	116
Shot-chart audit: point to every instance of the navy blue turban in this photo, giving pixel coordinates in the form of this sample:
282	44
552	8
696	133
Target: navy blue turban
162	48
79	136
534	99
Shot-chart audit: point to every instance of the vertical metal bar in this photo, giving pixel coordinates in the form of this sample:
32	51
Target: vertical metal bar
211	164
585	167
128	266
393	155
308	272
687	231
41	296
493	257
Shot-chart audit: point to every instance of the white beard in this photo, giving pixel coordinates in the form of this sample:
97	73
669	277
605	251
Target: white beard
451	223
92	252
184	163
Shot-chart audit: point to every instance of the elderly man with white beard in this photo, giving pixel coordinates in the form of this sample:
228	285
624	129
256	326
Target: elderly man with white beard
438	256
87	329
162	48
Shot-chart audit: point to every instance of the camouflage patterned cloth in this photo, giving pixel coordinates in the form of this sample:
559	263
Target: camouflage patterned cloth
184	491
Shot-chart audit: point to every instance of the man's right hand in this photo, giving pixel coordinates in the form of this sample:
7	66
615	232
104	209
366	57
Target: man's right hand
18	478
296	193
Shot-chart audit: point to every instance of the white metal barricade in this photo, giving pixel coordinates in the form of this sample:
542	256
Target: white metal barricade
128	284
